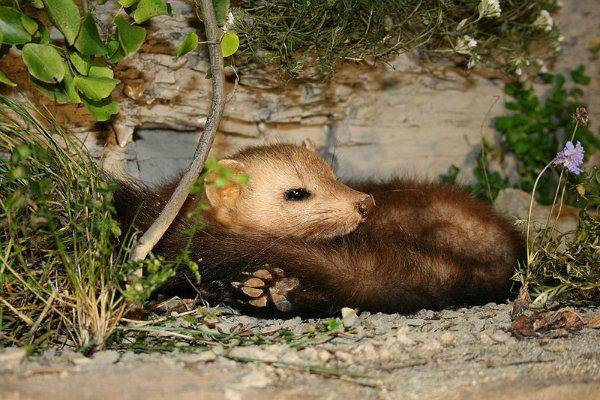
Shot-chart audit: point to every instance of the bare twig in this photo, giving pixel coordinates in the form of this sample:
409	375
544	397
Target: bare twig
168	214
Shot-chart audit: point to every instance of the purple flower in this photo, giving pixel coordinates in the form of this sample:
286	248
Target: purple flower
571	157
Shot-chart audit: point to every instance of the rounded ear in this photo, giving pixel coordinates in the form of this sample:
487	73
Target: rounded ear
309	144
220	197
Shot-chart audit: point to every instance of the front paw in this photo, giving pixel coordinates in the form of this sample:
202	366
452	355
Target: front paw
265	287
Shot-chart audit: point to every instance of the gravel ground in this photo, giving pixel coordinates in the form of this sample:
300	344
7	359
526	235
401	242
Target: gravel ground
450	354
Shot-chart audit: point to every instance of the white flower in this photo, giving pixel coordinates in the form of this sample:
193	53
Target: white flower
544	21
465	44
489	9
473	61
519	71
461	24
542	65
228	22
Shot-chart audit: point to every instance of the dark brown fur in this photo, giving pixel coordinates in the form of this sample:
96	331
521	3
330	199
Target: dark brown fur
424	246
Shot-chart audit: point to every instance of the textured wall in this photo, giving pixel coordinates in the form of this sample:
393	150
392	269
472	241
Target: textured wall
401	118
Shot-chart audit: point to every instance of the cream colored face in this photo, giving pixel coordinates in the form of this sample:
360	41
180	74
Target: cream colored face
292	192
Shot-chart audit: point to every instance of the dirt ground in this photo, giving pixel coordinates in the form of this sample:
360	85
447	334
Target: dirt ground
450	354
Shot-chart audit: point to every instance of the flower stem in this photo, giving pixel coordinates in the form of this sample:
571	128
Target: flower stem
529	257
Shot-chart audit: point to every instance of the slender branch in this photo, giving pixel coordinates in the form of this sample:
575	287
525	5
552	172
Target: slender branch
168	214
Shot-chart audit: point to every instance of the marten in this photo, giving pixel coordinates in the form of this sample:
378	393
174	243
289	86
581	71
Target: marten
295	240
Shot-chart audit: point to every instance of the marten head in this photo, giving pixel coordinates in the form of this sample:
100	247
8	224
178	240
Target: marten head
291	192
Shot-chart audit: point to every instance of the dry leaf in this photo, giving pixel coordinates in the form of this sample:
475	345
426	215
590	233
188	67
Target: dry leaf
521	304
523	327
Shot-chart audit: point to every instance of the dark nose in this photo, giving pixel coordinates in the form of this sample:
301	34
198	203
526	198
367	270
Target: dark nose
364	206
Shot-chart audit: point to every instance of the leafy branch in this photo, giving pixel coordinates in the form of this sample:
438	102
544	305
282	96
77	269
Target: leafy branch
80	70
213	35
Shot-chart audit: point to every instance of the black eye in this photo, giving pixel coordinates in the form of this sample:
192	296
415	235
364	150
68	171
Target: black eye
297	194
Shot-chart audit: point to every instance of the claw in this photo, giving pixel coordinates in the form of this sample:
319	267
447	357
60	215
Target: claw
263	274
269	278
260	302
254	282
252	292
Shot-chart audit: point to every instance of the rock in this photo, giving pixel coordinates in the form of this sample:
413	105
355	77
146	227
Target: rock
231	394
349	317
404	339
344	356
254	379
514	203
414	322
11	357
501	336
324	355
430	346
253	352
81	361
106	357
448	338
200	357
425	314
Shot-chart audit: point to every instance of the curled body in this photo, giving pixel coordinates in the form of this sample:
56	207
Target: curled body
296	241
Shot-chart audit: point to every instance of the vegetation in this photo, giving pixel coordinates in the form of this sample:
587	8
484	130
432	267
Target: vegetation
566	269
59	267
78	69
63	266
64	269
531	134
559	267
298	35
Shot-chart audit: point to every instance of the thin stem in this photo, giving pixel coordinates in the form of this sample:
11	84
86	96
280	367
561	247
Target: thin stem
168	214
531	209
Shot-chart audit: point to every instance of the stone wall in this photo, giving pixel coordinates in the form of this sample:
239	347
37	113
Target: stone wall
401	118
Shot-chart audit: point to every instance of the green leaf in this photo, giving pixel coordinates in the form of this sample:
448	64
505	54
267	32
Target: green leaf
88	41
87	67
115	52
43	62
127	3
95	89
118	56
13	31
578	75
4	79
112	46
30	24
147	9
42	36
190	43
69	85
130	37
229	43
53	92
221	10
101	110
81	64
64	14
101	70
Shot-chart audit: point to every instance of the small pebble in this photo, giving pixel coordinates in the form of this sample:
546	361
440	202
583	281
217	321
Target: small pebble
11	357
